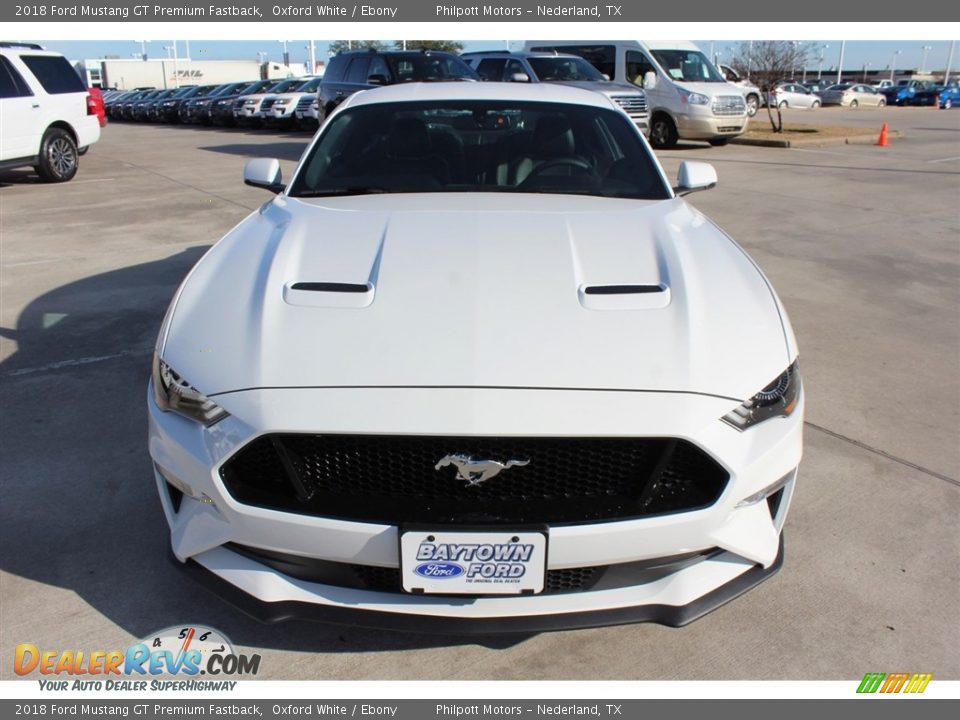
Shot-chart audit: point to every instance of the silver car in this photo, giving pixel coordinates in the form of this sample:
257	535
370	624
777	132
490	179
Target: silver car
853	96
793	95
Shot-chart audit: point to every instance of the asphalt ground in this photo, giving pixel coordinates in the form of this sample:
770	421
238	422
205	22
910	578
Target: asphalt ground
862	244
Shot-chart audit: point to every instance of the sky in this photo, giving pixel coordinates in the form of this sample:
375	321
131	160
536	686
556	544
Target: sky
878	53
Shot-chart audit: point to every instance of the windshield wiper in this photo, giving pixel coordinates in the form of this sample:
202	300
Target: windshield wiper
335	192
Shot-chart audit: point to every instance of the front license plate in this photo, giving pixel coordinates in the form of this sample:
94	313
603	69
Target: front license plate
451	562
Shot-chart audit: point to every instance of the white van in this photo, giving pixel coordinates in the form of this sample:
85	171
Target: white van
687	96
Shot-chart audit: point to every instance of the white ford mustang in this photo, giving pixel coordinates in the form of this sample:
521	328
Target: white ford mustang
477	368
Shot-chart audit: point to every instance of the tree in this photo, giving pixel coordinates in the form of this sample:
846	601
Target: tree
442	45
341	45
768	63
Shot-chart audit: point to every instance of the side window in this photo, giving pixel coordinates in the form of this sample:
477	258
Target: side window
514	67
378	66
491	68
637	67
336	70
358	70
55	74
11	83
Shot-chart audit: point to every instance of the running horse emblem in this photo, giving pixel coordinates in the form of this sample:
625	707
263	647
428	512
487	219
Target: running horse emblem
475	472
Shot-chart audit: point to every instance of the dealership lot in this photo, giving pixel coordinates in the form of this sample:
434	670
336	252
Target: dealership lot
860	242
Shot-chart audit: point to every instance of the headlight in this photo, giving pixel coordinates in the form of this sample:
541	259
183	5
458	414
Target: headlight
778	399
172	392
694	98
281	102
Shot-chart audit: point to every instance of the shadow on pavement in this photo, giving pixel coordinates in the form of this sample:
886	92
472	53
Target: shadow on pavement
80	509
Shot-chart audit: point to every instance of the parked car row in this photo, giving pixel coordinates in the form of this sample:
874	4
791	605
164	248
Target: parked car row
227	104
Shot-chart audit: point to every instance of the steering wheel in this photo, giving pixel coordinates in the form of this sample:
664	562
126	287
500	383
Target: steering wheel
560	162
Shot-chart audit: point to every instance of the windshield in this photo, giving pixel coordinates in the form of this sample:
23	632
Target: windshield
558	69
310	85
479	146
284	86
687	65
427	67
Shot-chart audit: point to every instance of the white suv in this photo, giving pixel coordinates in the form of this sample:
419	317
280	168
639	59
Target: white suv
44	114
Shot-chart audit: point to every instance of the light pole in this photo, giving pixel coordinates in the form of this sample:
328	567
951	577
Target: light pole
865	66
923	65
843	46
820	63
893	63
143	48
749	57
313	57
286	53
946	74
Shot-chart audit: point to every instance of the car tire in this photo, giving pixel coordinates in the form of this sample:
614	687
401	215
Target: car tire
663	133
719	142
59	158
947	104
782	105
882	103
854	104
815	104
83	150
753	105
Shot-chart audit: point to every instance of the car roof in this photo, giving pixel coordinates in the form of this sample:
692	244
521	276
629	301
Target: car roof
538	92
521	54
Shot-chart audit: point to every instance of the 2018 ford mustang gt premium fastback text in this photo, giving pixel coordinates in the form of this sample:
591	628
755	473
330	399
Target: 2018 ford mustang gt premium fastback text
477	368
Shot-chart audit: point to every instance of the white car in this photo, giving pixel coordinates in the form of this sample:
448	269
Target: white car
793	95
45	116
308	113
282	109
751	93
249	109
477	368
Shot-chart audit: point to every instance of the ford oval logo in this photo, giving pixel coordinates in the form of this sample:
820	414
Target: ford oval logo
438	570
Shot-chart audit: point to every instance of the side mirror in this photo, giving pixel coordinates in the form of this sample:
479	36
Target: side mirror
264	173
519	77
377	79
649	80
694	176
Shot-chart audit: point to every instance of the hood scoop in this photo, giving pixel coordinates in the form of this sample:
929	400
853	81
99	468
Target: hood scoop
328	294
624	297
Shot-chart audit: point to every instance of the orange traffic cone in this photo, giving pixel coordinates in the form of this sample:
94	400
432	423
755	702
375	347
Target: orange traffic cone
882	140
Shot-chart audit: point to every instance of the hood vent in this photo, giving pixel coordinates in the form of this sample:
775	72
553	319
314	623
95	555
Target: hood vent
622	289
624	297
329	294
331	287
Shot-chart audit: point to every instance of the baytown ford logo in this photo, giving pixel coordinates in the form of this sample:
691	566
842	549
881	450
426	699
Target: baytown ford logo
179	650
486	561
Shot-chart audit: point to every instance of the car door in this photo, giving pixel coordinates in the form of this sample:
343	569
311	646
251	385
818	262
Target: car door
868	95
19	114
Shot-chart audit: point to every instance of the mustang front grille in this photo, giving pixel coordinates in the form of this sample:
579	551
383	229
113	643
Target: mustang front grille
400	479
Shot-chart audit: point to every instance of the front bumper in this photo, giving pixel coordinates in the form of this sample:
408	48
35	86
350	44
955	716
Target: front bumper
691	126
743	544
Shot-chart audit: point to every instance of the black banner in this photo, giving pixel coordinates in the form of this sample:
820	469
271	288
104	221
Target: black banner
472	11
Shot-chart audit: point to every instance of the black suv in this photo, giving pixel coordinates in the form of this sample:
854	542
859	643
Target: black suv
348	72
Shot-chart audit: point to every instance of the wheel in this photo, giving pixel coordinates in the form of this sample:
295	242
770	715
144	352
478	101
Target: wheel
947	104
719	142
782	105
83	150
663	133
815	105
753	104
882	103
58	158
854	104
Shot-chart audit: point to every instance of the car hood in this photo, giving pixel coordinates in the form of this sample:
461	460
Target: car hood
477	290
